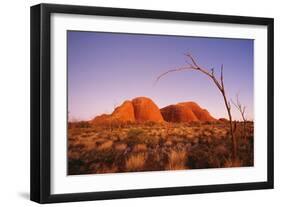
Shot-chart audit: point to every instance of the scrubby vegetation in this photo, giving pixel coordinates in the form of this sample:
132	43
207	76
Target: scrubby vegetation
156	146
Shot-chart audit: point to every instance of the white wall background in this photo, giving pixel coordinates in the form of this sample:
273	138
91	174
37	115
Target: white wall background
14	101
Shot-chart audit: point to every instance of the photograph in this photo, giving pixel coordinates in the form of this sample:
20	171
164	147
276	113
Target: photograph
132	103
150	102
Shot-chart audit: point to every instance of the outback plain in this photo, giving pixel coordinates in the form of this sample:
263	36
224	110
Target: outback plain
138	136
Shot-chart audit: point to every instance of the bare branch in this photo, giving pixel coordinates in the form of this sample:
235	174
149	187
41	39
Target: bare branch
242	110
220	85
170	71
239	107
234	104
193	66
193	61
213	72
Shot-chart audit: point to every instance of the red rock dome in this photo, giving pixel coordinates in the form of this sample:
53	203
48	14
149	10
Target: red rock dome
185	112
142	109
201	114
146	110
178	113
125	112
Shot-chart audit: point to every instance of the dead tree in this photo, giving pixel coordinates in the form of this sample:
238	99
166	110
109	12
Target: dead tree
242	110
220	85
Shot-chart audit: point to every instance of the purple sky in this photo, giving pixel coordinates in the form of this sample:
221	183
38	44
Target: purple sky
105	69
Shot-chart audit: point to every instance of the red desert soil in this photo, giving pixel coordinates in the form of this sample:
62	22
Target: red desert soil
185	112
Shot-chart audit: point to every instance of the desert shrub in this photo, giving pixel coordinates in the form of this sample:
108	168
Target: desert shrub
106	169
150	123
136	162
231	163
151	141
168	143
88	130
120	146
198	159
210	154
105	145
194	124
100	157
221	150
101	161
177	160
99	141
85	135
140	148
135	136
70	125
245	151
135	132
207	133
208	122
153	133
82	124
74	166
75	132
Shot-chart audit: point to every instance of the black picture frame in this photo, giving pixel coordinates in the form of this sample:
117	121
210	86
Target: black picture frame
41	96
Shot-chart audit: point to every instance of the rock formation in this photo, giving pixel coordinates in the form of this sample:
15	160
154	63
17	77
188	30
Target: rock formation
146	110
143	109
185	112
140	109
178	113
125	112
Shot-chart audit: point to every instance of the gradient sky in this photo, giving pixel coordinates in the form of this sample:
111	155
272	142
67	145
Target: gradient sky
105	69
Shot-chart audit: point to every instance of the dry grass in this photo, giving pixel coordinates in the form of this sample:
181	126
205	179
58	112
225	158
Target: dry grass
105	146
140	148
106	169
120	147
177	160
136	162
155	147
230	163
